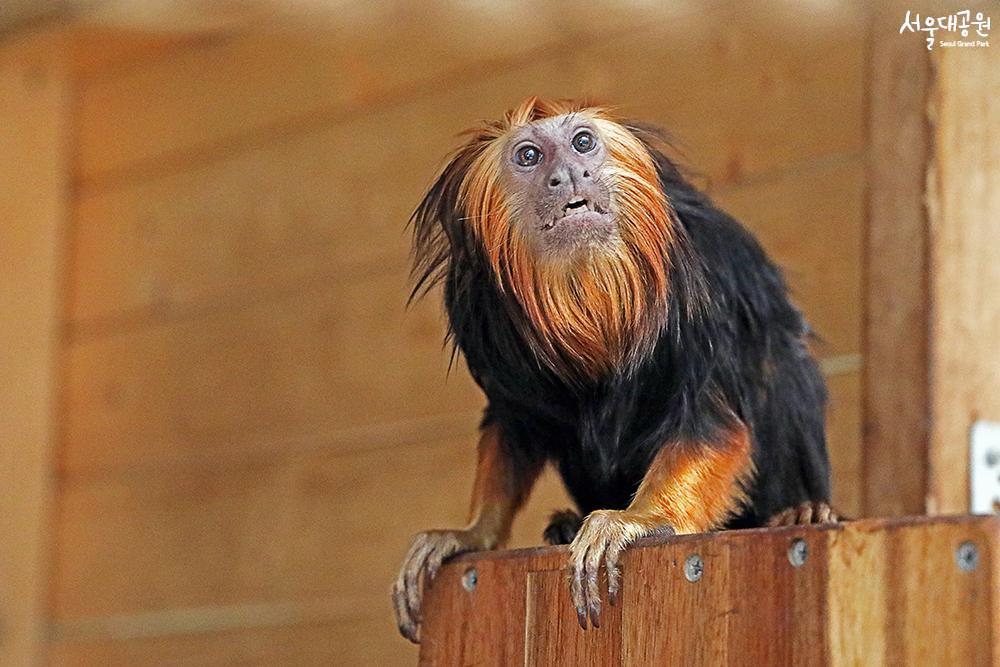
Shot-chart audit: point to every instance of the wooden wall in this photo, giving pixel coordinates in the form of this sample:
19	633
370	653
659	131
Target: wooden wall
252	426
34	96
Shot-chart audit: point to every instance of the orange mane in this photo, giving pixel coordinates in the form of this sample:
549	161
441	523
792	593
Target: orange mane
598	313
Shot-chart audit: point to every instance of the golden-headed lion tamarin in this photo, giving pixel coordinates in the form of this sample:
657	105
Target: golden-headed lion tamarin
622	328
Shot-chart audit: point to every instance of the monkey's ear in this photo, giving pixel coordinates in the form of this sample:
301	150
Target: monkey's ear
438	226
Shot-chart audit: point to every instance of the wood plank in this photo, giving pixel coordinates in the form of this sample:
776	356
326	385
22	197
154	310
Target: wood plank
322	362
694	626
552	632
265	529
330	64
856	599
896	399
745	91
758	608
965	239
34	95
908	564
844	443
342	642
925	583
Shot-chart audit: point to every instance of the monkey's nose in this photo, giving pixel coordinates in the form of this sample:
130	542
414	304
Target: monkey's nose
559	176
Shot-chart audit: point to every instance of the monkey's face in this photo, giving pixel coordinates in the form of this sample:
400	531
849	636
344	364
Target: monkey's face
557	186
564	204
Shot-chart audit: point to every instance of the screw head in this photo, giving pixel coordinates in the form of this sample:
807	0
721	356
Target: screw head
967	556
798	552
992	458
693	568
470	579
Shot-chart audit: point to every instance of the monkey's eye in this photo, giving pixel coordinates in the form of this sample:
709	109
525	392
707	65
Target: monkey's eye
584	142
528	156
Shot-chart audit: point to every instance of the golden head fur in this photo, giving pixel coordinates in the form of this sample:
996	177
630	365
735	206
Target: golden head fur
589	314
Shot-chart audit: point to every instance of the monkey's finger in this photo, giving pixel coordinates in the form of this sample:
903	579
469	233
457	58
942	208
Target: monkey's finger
411	579
404	621
592	569
823	514
576	587
614	570
444	548
783	518
805	513
404	617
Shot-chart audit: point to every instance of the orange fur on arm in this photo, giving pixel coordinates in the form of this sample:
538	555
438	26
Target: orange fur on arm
500	490
694	487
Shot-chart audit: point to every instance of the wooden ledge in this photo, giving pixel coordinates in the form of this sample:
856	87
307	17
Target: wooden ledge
913	591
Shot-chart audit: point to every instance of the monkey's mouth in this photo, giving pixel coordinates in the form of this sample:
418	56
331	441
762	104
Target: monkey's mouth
577	210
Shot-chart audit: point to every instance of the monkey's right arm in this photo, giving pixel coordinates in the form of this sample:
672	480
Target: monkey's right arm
503	481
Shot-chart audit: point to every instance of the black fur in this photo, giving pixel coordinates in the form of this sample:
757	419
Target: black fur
733	348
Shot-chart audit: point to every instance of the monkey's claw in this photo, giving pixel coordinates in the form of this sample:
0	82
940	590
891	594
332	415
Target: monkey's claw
422	562
601	540
809	512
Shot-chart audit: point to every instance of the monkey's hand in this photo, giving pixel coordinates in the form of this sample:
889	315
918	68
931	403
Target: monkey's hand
809	512
430	549
601	541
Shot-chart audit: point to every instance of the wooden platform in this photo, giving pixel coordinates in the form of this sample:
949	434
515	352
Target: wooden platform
914	591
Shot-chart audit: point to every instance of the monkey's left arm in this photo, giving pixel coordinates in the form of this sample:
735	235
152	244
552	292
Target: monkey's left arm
690	487
504	477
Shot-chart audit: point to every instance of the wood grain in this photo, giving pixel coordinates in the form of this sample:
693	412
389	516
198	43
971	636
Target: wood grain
338	642
343	356
264	530
964	271
752	606
552	632
896	398
325	66
843	434
34	98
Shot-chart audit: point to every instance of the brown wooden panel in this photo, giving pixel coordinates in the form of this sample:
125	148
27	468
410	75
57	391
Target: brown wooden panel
682	622
345	642
745	90
343	356
896	399
267	528
34	98
552	632
843	428
747	588
360	57
752	606
964	374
